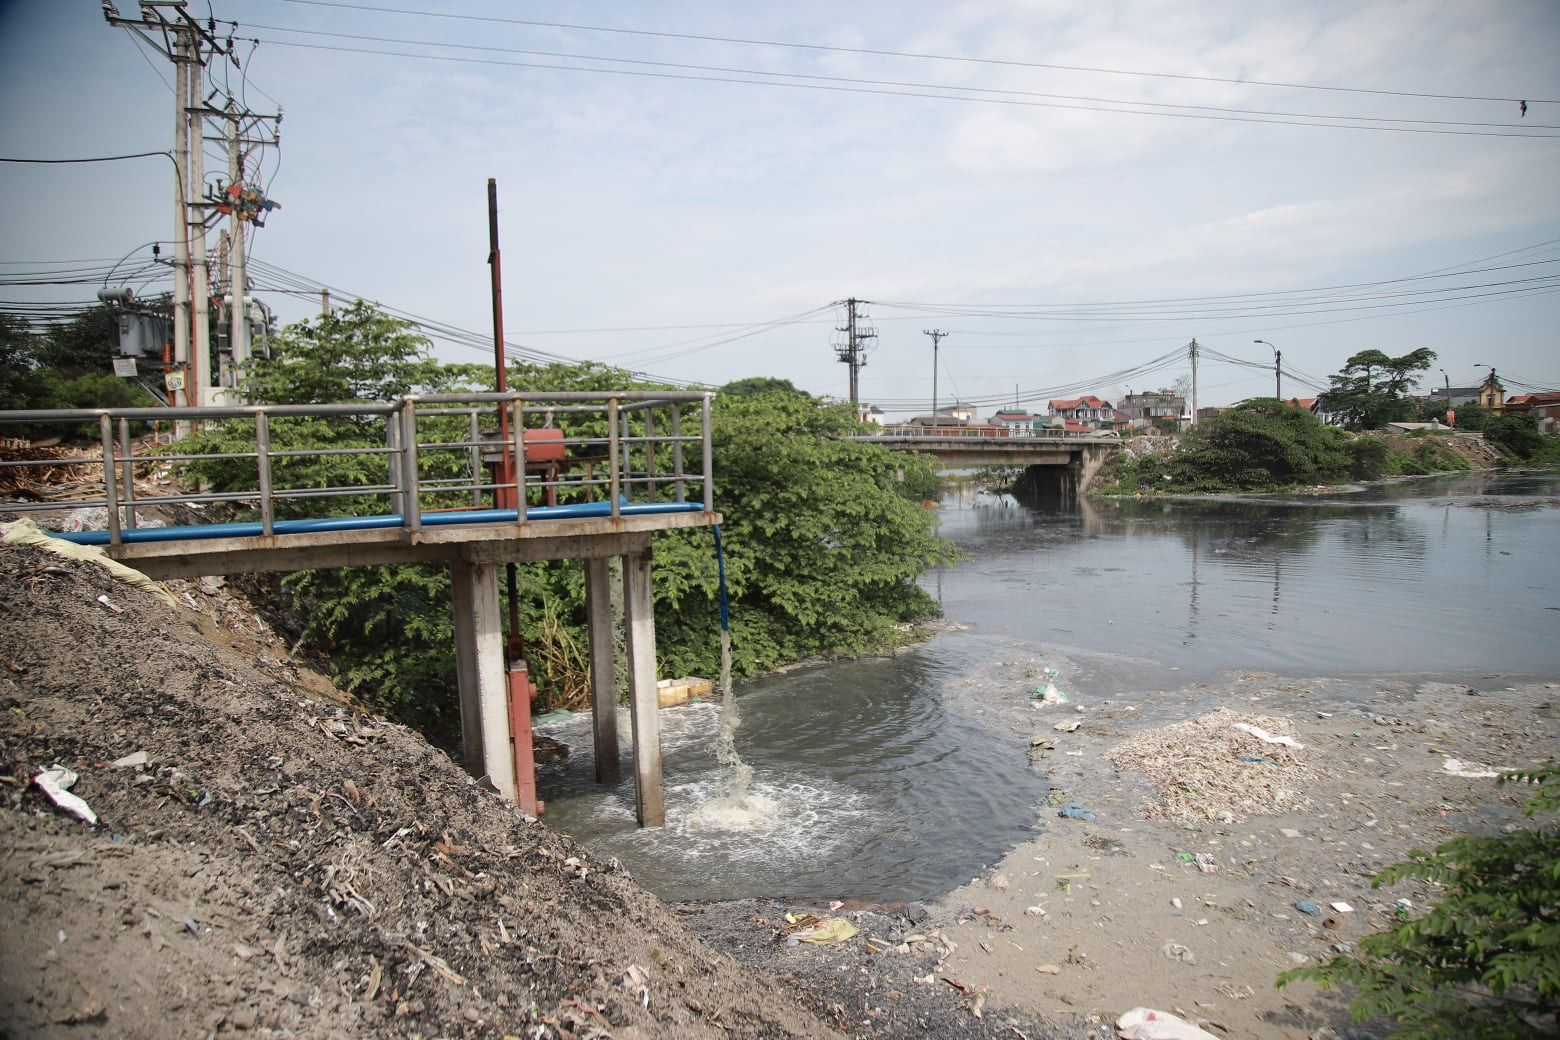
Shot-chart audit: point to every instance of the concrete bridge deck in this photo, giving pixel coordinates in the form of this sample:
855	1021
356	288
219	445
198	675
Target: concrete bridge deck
1076	458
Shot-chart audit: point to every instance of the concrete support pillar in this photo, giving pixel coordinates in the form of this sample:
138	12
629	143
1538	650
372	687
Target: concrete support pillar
479	664
644	702
603	669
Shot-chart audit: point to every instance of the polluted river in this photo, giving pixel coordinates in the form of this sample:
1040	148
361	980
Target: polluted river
902	777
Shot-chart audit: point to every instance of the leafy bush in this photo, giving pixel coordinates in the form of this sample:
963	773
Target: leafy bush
1367	457
1259	445
1516	434
1484	961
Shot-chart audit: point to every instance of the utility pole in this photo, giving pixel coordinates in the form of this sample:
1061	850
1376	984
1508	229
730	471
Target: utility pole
1192	350
853	351
243	204
169	28
937	335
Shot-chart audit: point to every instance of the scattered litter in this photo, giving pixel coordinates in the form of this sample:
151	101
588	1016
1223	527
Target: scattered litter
1473	770
1048	694
1206	863
1147	1024
1308	908
1176	952
138	758
56	782
1380	720
1196	770
1067	727
1342	908
1048	969
1266	737
1075	812
1259	758
810	928
109	604
1289	832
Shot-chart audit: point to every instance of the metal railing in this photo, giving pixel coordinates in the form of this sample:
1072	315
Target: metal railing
440	452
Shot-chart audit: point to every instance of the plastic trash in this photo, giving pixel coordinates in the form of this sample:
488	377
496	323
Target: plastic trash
828	930
1472	770
1308	908
1049	694
1147	1024
1266	737
56	782
1076	812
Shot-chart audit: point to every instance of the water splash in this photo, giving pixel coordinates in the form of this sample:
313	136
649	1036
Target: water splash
739	775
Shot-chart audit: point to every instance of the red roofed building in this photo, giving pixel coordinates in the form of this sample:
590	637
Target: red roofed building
1090	410
1543	406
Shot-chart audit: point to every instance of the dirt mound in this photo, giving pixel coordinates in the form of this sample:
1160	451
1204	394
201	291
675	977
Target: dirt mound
269	860
1471	447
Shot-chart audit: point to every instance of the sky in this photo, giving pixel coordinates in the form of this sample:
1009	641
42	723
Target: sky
692	189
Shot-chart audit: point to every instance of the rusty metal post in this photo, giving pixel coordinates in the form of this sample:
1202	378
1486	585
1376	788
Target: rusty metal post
521	690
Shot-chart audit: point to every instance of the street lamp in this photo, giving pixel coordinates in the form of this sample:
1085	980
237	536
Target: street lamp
1278	372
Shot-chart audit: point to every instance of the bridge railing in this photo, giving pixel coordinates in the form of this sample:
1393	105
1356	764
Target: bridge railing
436	453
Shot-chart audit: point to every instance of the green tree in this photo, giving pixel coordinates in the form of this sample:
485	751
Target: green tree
1472	417
1515	433
18	363
1485	960
823	544
84	345
755	385
1372	389
1259	445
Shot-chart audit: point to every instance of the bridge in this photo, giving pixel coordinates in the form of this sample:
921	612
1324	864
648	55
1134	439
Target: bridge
1054	463
473	480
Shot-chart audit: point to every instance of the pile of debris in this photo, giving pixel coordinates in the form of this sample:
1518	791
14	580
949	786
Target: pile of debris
1221	767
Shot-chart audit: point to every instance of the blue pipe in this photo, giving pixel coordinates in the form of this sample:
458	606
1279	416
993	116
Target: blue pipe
254	529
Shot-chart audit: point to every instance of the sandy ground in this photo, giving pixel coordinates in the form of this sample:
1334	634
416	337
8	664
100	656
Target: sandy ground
1167	899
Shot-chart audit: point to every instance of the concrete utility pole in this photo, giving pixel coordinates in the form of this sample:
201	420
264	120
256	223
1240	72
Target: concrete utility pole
853	351
1191	349
937	335
238	281
190	44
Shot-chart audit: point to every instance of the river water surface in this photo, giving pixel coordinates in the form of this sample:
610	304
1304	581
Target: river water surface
903	777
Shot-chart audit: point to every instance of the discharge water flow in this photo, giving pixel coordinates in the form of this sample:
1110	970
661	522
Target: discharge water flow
739	775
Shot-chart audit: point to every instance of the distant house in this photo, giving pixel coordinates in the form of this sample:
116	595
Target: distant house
1455	395
1089	410
1151	408
962	412
1492	395
1543	406
1016	420
870	413
939	422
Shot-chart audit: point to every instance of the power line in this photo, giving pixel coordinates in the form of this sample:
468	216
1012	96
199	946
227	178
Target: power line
915	55
93	159
1319	122
1322	119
